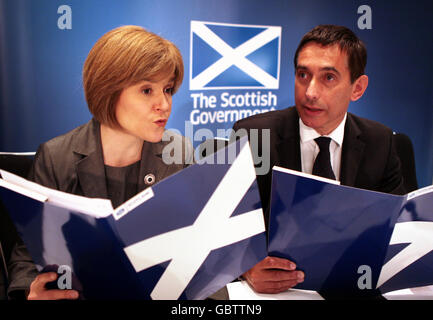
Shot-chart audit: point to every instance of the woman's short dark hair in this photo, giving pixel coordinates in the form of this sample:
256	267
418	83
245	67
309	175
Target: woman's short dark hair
327	35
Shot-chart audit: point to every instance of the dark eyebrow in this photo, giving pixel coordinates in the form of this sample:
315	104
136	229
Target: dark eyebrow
301	67
331	69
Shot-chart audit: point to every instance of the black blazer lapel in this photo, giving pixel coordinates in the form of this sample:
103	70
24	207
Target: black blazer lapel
90	168
351	155
91	176
290	154
151	163
287	150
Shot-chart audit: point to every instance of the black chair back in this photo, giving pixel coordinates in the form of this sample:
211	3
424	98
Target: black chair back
404	148
16	163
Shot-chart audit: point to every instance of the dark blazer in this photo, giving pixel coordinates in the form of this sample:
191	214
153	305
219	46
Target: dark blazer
74	163
368	159
17	269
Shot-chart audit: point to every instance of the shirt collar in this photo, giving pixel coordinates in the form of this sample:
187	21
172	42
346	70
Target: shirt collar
307	134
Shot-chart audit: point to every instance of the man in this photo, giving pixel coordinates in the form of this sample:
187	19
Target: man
329	74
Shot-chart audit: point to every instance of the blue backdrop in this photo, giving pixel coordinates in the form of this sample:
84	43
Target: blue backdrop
41	93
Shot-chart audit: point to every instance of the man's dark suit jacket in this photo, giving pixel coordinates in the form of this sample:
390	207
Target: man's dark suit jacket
368	159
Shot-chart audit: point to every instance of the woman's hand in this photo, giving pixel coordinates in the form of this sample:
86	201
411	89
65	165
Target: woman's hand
39	292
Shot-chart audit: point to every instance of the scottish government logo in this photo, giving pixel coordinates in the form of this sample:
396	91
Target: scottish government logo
233	56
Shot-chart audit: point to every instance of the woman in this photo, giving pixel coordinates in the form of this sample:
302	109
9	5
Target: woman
129	78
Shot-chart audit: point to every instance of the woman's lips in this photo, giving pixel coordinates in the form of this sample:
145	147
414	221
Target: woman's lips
161	122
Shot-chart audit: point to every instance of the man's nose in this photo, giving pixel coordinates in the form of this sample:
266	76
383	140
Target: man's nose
313	90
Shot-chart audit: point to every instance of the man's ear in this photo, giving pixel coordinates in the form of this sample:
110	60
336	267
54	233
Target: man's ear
359	87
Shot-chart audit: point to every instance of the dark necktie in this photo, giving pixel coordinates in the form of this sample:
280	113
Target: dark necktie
322	166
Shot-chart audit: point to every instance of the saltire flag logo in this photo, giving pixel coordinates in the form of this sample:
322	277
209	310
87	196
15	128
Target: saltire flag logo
207	229
409	261
233	56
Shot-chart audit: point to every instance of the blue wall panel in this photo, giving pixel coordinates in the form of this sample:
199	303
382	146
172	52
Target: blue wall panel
41	94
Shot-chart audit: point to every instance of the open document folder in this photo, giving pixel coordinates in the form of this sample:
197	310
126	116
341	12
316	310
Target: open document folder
351	241
183	238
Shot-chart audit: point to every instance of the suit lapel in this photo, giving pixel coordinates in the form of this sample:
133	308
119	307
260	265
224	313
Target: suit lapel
151	163
353	149
90	168
288	152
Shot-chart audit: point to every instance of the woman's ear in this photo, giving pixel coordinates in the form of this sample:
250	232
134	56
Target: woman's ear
359	87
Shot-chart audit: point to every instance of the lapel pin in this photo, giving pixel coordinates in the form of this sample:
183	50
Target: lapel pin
149	179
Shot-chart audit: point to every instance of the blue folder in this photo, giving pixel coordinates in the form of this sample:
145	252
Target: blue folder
413	232
96	249
335	233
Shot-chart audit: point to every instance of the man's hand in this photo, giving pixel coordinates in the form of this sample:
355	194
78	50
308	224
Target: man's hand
273	275
39	292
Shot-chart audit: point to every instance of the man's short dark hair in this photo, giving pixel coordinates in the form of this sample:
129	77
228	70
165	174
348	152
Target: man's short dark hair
330	34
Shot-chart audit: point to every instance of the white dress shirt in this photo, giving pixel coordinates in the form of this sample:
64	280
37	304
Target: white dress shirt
310	149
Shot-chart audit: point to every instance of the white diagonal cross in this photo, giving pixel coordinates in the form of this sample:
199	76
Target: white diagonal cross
419	235
236	56
188	247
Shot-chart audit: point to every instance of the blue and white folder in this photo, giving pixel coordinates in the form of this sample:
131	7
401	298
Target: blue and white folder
183	238
344	238
409	259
